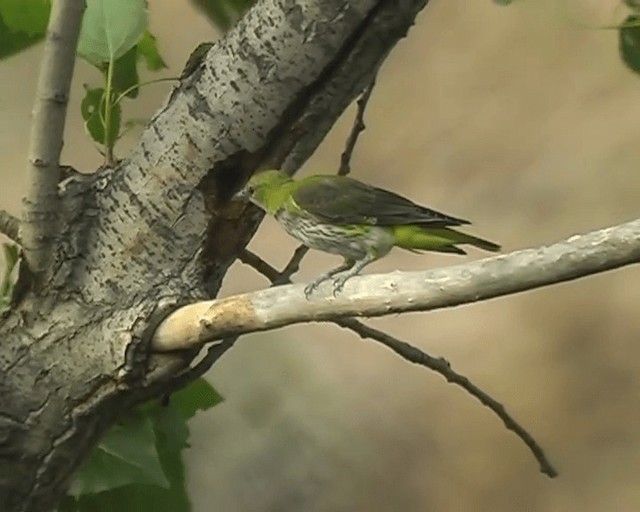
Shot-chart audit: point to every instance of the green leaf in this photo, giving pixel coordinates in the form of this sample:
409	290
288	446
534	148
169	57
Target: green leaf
197	396
503	2
93	112
22	24
136	483
127	455
14	42
138	498
171	437
68	504
110	28
125	74
629	42
633	4
172	425
148	50
27	16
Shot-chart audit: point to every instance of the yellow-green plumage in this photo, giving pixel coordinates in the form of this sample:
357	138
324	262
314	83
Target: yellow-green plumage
361	223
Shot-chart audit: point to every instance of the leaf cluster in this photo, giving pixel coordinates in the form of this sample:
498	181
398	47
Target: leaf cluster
138	465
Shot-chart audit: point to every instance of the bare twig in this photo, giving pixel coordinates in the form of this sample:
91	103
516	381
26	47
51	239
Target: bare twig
9	225
39	225
442	366
357	128
345	168
417	356
214	352
262	267
293	266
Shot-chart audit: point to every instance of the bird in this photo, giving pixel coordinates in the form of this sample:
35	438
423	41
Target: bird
362	223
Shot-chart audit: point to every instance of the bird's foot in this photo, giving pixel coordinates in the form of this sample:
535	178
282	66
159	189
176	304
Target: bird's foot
309	289
338	284
313	286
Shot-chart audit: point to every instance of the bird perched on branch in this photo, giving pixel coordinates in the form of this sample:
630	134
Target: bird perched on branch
361	223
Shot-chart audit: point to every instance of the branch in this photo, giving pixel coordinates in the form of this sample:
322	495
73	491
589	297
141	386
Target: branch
417	356
398	292
9	225
214	352
40	209
357	128
442	367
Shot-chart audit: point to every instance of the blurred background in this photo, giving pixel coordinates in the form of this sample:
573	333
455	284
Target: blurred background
522	119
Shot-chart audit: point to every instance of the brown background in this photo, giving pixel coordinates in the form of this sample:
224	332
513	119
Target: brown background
517	118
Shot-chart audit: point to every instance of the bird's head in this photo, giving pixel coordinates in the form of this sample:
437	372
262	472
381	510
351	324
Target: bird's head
267	189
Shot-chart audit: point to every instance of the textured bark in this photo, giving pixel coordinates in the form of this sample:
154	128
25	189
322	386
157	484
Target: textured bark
156	232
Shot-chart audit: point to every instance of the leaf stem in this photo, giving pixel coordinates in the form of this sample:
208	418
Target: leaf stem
108	105
142	84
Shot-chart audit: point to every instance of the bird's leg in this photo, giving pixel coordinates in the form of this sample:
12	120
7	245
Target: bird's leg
309	289
354	270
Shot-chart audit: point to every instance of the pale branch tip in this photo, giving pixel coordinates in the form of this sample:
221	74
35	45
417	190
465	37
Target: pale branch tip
40	209
417	356
9	225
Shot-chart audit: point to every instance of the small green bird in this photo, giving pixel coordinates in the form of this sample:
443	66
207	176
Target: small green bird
361	223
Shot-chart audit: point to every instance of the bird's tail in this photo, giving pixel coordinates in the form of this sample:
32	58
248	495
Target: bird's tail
420	238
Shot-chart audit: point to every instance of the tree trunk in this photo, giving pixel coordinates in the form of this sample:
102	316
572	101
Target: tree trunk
157	231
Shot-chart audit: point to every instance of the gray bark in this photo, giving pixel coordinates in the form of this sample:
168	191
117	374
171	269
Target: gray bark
157	232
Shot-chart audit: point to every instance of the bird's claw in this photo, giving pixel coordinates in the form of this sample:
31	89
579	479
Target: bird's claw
309	289
338	285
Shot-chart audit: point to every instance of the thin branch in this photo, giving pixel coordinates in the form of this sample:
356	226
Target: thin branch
417	356
214	352
293	266
262	267
357	128
398	292
345	168
442	367
9	225
39	217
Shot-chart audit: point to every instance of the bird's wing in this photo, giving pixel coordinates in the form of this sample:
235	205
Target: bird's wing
343	200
